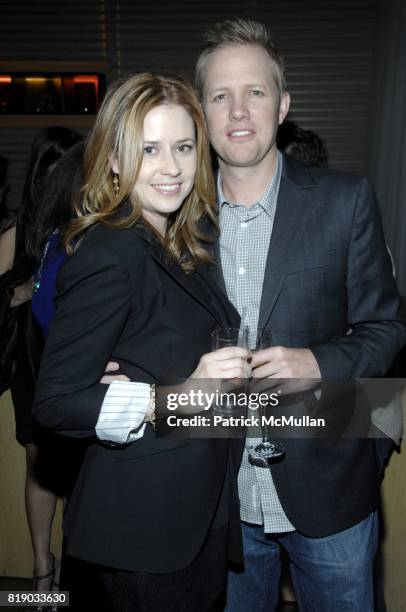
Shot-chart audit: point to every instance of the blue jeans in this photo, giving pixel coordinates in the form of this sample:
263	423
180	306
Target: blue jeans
331	574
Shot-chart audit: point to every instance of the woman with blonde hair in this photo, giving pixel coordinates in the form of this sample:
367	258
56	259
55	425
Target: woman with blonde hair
152	520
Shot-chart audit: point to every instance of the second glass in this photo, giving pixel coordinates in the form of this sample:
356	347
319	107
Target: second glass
260	454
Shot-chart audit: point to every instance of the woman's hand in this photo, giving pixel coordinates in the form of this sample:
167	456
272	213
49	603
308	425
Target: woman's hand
22	293
107	378
219	371
227	363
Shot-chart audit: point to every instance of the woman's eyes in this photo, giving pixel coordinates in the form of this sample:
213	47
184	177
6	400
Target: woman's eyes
182	148
185	148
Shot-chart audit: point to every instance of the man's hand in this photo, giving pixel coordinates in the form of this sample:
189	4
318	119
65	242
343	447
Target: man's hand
281	363
109	376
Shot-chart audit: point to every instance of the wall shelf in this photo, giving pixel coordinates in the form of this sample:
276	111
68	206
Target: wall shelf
41	121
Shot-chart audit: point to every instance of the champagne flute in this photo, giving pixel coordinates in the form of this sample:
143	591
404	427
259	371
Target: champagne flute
223	337
260	454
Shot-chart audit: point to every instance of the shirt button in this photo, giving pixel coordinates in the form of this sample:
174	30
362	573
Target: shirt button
241	271
244	224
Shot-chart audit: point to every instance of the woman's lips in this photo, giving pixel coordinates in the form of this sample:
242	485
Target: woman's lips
167	188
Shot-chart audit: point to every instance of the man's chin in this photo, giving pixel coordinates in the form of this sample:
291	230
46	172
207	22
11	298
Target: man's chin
240	161
246	159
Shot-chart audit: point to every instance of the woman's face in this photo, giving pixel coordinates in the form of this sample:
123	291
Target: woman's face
169	163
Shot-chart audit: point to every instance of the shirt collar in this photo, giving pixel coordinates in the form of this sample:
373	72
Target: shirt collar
269	197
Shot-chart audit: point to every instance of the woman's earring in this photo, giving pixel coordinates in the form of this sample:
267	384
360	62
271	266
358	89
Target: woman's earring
116	184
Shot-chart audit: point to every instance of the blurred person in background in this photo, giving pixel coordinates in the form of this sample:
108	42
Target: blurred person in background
34	253
20	265
303	145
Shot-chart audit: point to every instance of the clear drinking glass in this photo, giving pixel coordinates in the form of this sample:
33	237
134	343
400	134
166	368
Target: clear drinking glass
223	337
268	449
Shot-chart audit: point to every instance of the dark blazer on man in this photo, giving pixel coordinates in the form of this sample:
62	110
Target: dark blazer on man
328	286
147	506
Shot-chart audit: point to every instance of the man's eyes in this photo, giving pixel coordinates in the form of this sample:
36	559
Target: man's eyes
256	93
219	97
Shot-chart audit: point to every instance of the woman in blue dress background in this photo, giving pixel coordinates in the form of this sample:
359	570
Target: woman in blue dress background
33	257
48	147
43	240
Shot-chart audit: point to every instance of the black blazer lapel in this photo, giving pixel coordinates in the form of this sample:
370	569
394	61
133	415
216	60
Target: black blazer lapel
292	207
227	315
214	279
217	269
214	299
190	284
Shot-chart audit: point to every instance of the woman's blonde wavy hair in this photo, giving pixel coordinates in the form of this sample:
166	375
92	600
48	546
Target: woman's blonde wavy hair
118	134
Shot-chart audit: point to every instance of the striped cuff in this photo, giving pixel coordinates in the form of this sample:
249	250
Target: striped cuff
121	418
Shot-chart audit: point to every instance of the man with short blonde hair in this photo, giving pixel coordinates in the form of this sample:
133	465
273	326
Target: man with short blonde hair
239	32
302	253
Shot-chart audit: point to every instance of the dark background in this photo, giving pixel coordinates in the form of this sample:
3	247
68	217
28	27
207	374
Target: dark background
345	64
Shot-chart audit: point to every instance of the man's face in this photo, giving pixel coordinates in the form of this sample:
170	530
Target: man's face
242	105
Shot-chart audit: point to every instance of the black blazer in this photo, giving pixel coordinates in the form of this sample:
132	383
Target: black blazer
328	272
147	506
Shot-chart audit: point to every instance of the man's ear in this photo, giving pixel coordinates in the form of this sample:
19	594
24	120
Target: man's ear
284	105
113	163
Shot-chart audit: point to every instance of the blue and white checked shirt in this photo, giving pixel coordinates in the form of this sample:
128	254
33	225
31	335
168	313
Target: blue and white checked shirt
244	243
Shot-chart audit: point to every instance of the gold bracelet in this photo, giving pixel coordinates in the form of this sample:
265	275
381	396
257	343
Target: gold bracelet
151	407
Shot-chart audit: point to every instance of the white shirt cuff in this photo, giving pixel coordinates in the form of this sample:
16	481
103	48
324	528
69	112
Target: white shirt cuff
121	418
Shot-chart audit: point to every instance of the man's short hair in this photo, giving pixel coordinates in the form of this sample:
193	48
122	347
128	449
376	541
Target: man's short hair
238	32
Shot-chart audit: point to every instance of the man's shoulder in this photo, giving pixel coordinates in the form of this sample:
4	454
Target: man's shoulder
322	178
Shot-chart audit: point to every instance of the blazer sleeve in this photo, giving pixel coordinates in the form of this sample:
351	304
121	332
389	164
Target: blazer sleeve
92	305
377	333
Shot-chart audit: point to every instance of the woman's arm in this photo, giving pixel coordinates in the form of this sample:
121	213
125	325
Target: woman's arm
92	307
21	293
7	249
